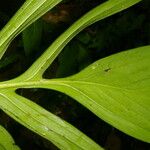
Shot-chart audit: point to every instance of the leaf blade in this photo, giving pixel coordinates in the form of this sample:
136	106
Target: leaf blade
120	95
100	12
30	11
6	141
49	126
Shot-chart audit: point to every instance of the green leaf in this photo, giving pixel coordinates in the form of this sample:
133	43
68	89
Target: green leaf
8	60
26	15
116	89
49	126
6	141
62	134
67	61
32	37
100	12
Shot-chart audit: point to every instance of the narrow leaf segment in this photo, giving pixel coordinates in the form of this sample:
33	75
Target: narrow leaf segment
108	92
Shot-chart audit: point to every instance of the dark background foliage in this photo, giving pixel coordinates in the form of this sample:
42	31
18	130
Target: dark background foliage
125	30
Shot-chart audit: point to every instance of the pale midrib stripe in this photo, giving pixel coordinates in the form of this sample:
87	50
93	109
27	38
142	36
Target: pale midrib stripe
45	82
35	119
103	108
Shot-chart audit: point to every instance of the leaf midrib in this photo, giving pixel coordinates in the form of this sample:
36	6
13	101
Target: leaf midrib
37	120
44	82
50	82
